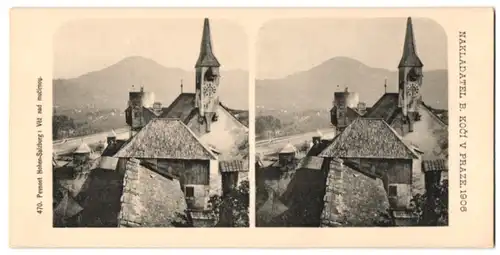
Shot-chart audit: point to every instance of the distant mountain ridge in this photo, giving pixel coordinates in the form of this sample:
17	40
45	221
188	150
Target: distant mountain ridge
109	87
314	88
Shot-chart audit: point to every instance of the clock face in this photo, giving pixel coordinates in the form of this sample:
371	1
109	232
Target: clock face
413	89
209	89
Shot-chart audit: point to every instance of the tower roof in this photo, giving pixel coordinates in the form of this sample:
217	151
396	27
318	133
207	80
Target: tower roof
206	58
83	148
289	148
112	133
409	58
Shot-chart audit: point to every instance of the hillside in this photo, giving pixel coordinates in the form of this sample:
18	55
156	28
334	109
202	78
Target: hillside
314	88
108	88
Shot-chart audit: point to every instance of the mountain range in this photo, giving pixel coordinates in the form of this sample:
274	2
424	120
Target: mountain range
109	87
305	90
314	88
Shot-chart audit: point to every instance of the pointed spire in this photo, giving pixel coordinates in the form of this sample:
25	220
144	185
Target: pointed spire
83	148
206	58
182	87
410	58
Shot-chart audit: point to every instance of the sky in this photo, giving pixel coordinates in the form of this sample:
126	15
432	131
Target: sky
288	46
83	46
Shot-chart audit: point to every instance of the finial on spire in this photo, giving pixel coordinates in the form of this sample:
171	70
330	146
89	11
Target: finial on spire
182	86
409	58
385	85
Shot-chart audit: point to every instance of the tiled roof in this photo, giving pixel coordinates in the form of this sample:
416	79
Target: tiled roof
108	163
233	166
150	199
435	165
351	198
311	162
167	139
181	108
385	108
317	148
368	138
113	148
289	148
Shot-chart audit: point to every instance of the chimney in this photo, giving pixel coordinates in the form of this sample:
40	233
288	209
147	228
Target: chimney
157	107
361	108
316	139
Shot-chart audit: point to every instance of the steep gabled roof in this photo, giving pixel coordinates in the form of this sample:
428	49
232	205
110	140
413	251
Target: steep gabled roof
181	107
385	108
166	138
368	138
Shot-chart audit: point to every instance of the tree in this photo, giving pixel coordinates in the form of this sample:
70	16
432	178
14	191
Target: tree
61	122
266	123
432	208
231	209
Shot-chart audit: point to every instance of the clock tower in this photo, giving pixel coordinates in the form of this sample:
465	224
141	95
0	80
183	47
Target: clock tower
410	75
207	80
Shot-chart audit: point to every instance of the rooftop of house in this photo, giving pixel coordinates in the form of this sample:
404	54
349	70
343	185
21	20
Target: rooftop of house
311	162
385	108
235	165
435	165
368	138
113	148
289	148
317	148
112	133
82	148
167	139
150	199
